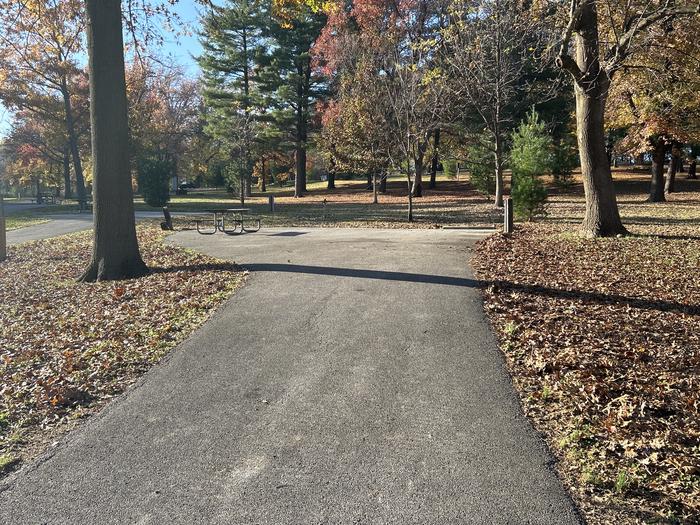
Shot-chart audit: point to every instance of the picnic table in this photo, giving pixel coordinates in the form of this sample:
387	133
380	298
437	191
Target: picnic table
218	219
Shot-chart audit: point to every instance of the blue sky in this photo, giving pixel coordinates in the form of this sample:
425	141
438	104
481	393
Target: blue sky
181	48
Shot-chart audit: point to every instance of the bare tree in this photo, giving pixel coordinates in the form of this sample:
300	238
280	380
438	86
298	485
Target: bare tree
492	44
416	95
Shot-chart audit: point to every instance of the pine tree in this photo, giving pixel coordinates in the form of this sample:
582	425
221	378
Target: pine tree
232	41
292	86
530	158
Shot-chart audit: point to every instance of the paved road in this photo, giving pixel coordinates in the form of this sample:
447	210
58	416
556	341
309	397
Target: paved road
57	225
62	224
353	379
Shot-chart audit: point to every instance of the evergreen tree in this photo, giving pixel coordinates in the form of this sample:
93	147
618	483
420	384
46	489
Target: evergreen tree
530	158
290	83
232	41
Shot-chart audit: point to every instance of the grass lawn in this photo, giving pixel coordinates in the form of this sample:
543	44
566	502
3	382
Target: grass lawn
22	220
350	205
66	348
602	338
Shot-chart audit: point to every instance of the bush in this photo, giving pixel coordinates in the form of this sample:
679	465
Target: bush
564	161
482	170
530	158
154	180
449	168
529	197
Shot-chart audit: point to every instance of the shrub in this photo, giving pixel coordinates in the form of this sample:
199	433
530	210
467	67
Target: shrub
482	169
449	168
564	161
154	180
529	197
530	158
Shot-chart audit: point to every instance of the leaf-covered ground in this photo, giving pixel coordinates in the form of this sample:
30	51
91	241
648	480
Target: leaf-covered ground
15	222
66	348
602	338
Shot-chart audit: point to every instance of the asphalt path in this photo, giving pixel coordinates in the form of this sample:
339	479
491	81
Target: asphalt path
353	379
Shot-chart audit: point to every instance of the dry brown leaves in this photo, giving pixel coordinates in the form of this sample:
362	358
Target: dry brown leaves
66	347
603	340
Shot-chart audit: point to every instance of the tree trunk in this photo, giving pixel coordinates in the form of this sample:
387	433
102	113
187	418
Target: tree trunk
67	188
692	169
410	194
115	247
331	179
435	160
300	177
242	185
657	172
263	186
73	143
498	159
382	183
418	176
374	188
3	233
602	215
672	170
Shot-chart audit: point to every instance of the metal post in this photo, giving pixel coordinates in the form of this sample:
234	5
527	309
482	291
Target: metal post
508	215
271	200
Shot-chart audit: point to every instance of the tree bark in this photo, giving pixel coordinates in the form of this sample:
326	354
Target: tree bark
692	169
418	176
67	187
672	170
382	183
410	194
374	188
115	248
498	159
73	143
3	233
602	216
369	180
300	176
263	186
656	193
435	160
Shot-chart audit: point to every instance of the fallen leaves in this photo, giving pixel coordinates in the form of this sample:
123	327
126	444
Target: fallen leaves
602	338
67	347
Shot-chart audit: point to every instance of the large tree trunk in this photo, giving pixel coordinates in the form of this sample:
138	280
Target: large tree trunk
435	160
115	247
672	170
73	143
657	172
67	188
692	168
602	215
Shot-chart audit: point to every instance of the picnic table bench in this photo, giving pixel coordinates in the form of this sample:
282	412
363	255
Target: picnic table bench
215	221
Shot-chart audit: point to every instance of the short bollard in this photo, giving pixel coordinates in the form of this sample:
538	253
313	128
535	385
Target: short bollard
271	200
508	215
